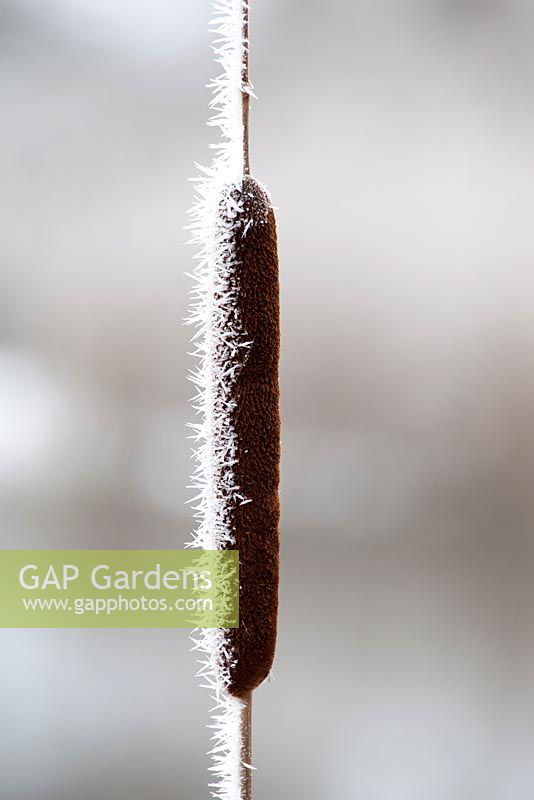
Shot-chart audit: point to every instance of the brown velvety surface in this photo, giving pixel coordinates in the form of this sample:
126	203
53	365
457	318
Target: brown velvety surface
257	425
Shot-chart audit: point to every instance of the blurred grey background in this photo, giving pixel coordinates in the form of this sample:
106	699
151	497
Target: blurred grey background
396	138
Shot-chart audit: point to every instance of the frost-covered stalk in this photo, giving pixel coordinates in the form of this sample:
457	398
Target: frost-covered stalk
235	311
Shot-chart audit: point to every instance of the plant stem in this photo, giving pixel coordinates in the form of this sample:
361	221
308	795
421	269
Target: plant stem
245	96
246	714
246	747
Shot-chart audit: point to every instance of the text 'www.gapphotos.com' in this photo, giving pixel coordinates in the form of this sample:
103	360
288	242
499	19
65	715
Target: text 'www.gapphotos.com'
120	604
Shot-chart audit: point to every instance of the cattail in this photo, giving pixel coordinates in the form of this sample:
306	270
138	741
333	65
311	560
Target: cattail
236	311
257	428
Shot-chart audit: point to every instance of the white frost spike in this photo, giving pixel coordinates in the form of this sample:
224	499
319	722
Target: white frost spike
220	347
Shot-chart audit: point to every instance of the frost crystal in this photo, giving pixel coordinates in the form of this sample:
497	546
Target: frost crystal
220	348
